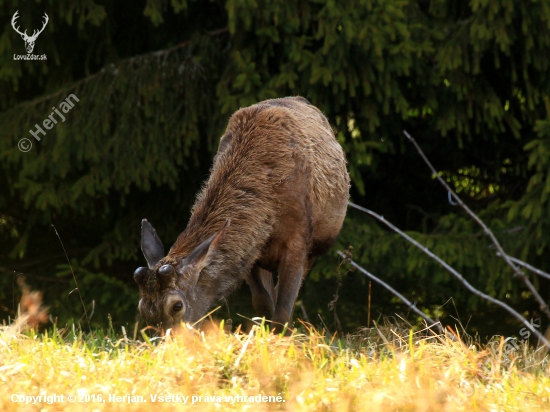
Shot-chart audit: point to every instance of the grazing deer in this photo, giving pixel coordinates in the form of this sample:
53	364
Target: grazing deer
276	198
29	40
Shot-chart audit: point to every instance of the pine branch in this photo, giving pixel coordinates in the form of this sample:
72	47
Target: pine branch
542	305
472	289
81	82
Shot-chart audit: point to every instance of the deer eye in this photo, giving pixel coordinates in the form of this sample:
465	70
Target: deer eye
177	306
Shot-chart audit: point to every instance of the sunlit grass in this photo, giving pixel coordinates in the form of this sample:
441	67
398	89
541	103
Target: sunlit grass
375	370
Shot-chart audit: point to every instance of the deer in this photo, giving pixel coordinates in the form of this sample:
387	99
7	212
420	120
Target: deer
29	40
276	199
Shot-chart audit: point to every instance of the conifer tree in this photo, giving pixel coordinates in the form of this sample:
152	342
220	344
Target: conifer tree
156	84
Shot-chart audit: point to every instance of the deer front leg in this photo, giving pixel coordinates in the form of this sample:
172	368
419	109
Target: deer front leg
262	294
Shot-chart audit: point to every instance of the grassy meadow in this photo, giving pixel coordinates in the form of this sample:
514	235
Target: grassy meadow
380	369
386	368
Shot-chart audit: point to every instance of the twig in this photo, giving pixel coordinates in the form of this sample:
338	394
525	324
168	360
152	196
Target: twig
74	277
543	306
392	290
323	322
479	293
205	316
528	267
368	307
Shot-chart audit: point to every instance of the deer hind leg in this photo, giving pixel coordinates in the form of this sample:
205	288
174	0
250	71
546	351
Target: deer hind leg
261	286
292	269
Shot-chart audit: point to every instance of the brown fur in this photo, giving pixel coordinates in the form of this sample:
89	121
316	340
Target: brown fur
280	179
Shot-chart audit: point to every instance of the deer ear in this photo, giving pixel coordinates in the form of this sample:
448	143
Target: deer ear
151	246
202	256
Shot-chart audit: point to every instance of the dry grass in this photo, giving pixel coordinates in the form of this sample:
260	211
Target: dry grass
30	314
384	369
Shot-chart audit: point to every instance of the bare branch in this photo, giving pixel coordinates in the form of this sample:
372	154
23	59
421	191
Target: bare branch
528	267
543	306
472	289
392	290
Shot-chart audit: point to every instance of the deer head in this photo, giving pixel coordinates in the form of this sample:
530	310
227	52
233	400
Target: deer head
168	291
29	40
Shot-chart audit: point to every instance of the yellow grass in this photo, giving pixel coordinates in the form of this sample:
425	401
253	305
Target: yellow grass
373	371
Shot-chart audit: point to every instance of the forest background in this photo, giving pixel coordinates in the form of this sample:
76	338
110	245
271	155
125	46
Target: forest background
157	81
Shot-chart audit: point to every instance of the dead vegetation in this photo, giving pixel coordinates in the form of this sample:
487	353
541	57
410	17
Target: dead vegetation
30	312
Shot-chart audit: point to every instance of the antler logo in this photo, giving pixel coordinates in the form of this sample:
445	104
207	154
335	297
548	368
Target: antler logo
29	40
